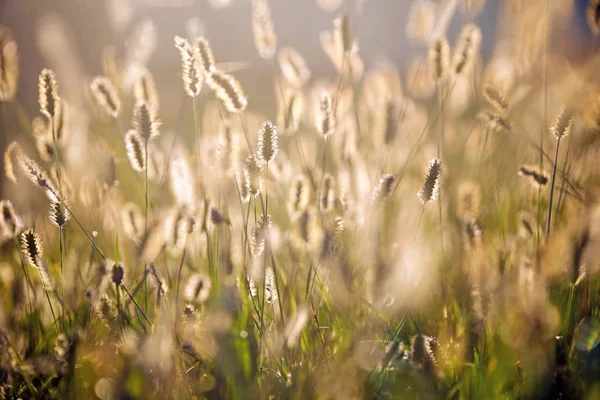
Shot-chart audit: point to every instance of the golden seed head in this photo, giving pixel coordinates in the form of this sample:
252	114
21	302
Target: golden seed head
144	90
31	244
467	47
263	29
293	67
10	223
563	126
536	177
48	93
190	65
384	188
59	214
593	16
135	150
300	195
206	57
327	197
197	289
145	123
494	122
228	91
431	184
12	150
326	122
38	176
495	98
268	142
9	65
106	95
439	59
253	168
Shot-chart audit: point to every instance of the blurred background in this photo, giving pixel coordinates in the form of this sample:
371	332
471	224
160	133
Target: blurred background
71	37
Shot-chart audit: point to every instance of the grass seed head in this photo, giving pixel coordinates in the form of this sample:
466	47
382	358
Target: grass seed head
136	152
265	38
106	95
439	59
228	90
145	122
431	185
48	93
268	142
384	188
9	65
10	223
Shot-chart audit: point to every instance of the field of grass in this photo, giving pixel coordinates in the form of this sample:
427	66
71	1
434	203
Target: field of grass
426	232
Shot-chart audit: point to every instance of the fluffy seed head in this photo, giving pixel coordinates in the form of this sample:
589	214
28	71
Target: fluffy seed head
253	168
37	176
144	90
59	214
439	59
325	118
9	65
432	181
190	66
10	223
593	16
293	67
466	49
145	122
197	289
228	91
384	188
494	122
268	142
136	151
327	197
270	287
299	195
536	177
48	93
242	178
31	244
265	38
564	123
495	98
12	150
206	58
106	95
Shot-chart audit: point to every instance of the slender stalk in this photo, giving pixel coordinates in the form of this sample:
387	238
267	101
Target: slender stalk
146	224
137	306
552	188
246	133
179	281
28	280
418	226
440	151
62	275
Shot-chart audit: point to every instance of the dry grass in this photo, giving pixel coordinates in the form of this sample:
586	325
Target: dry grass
239	258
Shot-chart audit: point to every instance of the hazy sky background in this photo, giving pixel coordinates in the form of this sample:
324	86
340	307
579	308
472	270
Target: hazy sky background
379	30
